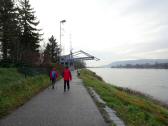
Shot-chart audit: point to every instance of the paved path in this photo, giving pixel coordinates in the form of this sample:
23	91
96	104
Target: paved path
56	108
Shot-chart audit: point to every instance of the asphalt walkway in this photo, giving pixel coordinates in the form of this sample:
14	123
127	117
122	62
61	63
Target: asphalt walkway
58	108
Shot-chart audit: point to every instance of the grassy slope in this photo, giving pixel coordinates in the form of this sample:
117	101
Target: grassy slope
15	90
134	110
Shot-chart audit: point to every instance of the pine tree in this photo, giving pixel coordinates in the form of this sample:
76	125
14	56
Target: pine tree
15	45
30	34
0	29
8	29
52	50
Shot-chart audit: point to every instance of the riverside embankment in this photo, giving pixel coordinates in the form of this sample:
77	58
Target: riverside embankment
134	109
152	82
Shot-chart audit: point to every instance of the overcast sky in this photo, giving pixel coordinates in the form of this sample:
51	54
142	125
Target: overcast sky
111	30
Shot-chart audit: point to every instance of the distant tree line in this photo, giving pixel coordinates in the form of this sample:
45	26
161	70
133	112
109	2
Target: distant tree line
147	65
20	37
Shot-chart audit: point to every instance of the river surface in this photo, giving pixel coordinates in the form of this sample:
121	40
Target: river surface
153	82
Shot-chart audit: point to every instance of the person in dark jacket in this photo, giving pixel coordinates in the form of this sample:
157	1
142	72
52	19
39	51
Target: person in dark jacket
78	72
67	77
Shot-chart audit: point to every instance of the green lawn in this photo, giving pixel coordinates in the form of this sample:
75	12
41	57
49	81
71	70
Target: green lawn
15	89
134	110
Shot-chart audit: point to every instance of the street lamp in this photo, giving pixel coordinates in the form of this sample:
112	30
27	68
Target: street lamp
61	22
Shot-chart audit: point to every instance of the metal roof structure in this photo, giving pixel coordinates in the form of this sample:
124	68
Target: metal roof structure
86	56
74	56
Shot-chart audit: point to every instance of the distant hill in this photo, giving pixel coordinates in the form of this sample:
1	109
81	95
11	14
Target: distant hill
134	62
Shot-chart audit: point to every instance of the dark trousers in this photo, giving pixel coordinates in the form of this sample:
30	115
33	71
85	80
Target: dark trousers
53	83
66	82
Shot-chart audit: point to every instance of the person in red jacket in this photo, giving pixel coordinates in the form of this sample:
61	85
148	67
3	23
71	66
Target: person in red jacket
67	77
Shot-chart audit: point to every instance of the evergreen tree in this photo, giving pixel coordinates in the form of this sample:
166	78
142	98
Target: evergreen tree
0	29
9	29
30	34
52	50
15	44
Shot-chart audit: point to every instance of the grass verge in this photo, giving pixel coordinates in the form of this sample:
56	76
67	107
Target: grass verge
15	89
133	109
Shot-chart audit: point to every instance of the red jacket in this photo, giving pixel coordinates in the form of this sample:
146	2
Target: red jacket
67	74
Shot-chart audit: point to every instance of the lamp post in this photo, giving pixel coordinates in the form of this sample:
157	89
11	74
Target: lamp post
61	22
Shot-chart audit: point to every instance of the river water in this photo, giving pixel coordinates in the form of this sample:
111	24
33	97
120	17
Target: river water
153	82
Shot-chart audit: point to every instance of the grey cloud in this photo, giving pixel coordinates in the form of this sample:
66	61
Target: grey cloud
148	47
147	6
